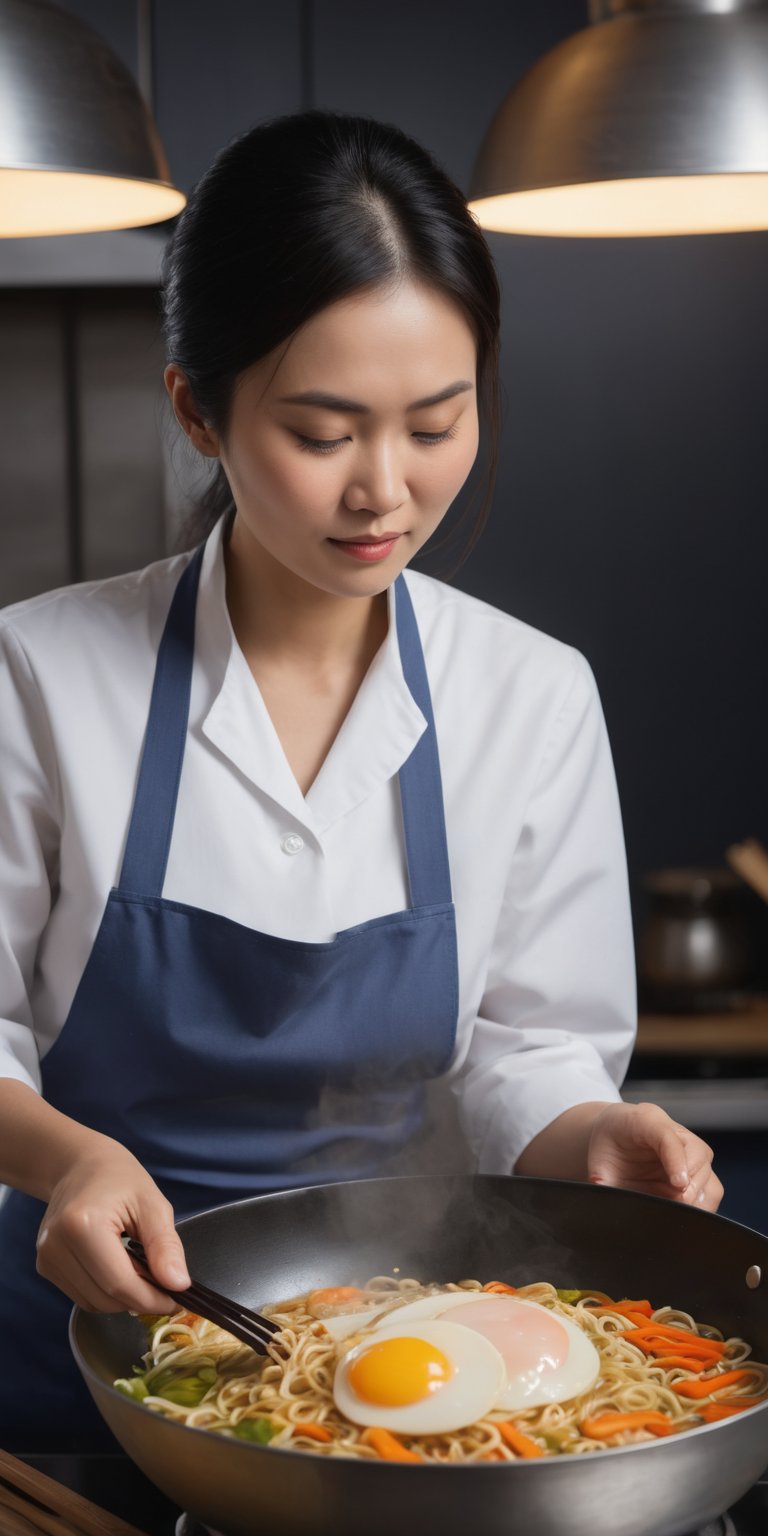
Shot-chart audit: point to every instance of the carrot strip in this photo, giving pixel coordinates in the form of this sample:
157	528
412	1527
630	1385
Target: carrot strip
389	1449
503	1290
518	1442
333	1295
705	1358
312	1431
607	1424
711	1412
495	1455
706	1385
638	1318
631	1309
682	1362
679	1335
648	1341
636	1306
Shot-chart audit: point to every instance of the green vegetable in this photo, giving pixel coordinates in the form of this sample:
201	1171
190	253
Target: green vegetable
185	1391
571	1297
153	1323
136	1388
553	1442
258	1431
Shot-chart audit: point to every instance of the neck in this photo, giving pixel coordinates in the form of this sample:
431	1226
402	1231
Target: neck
280	619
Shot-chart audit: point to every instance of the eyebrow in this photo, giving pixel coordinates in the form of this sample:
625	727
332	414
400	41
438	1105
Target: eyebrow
336	403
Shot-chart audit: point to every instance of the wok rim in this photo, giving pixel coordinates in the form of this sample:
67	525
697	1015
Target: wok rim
658	1445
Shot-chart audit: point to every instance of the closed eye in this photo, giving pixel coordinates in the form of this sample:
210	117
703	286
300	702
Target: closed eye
435	437
320	444
332	444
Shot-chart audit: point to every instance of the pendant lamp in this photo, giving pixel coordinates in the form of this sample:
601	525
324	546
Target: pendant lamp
78	148
653	120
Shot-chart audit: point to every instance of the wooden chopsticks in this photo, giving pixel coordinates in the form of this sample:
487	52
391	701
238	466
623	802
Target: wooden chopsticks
32	1504
750	860
247	1326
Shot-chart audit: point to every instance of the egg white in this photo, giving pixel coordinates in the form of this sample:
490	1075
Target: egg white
523	1389
344	1324
473	1389
532	1389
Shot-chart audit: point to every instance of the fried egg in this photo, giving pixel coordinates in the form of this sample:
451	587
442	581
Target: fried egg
547	1358
419	1378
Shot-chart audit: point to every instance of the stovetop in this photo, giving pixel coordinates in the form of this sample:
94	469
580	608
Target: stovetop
103	1473
748	1518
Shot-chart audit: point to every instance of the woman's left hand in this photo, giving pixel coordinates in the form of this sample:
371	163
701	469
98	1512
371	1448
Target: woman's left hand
638	1146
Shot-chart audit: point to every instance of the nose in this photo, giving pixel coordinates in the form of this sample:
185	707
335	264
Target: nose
377	483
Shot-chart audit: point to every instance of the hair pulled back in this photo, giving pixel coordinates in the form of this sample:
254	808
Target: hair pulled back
292	216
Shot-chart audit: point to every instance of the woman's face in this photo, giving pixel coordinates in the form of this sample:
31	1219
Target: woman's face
342	493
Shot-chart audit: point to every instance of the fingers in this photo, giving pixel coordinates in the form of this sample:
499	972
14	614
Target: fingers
705	1189
639	1146
80	1250
664	1136
67	1270
162	1245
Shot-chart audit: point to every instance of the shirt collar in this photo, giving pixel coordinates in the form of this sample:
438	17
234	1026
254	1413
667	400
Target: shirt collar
379	732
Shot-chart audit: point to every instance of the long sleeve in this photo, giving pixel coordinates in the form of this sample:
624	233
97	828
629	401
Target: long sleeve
29	839
558	1015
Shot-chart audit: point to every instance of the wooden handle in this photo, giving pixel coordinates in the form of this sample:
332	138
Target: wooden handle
18	1514
23	1491
750	860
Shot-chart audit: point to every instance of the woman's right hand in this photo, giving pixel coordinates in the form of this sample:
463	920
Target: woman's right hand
103	1193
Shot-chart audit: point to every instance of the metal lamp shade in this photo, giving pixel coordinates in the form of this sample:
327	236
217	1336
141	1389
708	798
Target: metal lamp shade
78	149
652	122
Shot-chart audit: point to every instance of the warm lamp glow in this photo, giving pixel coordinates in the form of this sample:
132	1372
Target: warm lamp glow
79	149
653	120
669	205
68	202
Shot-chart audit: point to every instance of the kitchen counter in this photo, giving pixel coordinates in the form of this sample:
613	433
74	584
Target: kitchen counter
743	1031
708	1070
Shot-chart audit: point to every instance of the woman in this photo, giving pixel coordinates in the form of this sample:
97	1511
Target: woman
285	834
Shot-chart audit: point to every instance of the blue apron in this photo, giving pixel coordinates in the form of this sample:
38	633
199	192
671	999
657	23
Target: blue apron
232	1062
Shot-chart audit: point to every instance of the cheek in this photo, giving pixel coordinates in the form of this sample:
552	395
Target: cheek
451	473
274	476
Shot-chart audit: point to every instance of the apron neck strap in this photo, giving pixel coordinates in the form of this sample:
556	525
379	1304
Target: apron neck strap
421	788
154	807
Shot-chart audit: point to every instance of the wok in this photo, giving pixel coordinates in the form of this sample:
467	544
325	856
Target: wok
444	1228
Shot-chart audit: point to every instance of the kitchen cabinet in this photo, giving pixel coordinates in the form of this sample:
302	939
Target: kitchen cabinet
93	474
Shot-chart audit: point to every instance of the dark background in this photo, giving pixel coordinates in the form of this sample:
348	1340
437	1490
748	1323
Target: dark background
629	514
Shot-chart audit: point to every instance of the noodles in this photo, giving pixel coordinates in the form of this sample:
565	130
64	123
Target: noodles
658	1375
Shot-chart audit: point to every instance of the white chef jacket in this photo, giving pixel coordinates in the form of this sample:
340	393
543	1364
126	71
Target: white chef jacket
538	870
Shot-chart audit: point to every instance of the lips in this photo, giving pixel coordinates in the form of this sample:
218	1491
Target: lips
367	548
365	538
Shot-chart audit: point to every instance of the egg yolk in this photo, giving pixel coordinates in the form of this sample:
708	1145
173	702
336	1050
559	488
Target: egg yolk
399	1371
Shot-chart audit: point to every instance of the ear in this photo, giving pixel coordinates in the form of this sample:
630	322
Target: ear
203	436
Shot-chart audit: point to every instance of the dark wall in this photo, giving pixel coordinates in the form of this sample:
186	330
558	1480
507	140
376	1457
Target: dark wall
629	514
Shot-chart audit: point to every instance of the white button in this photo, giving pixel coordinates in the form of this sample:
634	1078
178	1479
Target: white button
292	843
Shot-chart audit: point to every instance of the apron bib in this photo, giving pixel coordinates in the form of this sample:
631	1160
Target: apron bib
232	1062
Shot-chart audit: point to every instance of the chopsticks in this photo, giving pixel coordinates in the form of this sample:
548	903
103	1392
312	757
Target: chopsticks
32	1504
247	1326
750	860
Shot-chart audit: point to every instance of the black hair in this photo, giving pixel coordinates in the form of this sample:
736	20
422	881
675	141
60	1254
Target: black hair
295	214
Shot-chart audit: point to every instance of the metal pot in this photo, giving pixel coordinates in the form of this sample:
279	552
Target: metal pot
441	1229
696	946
